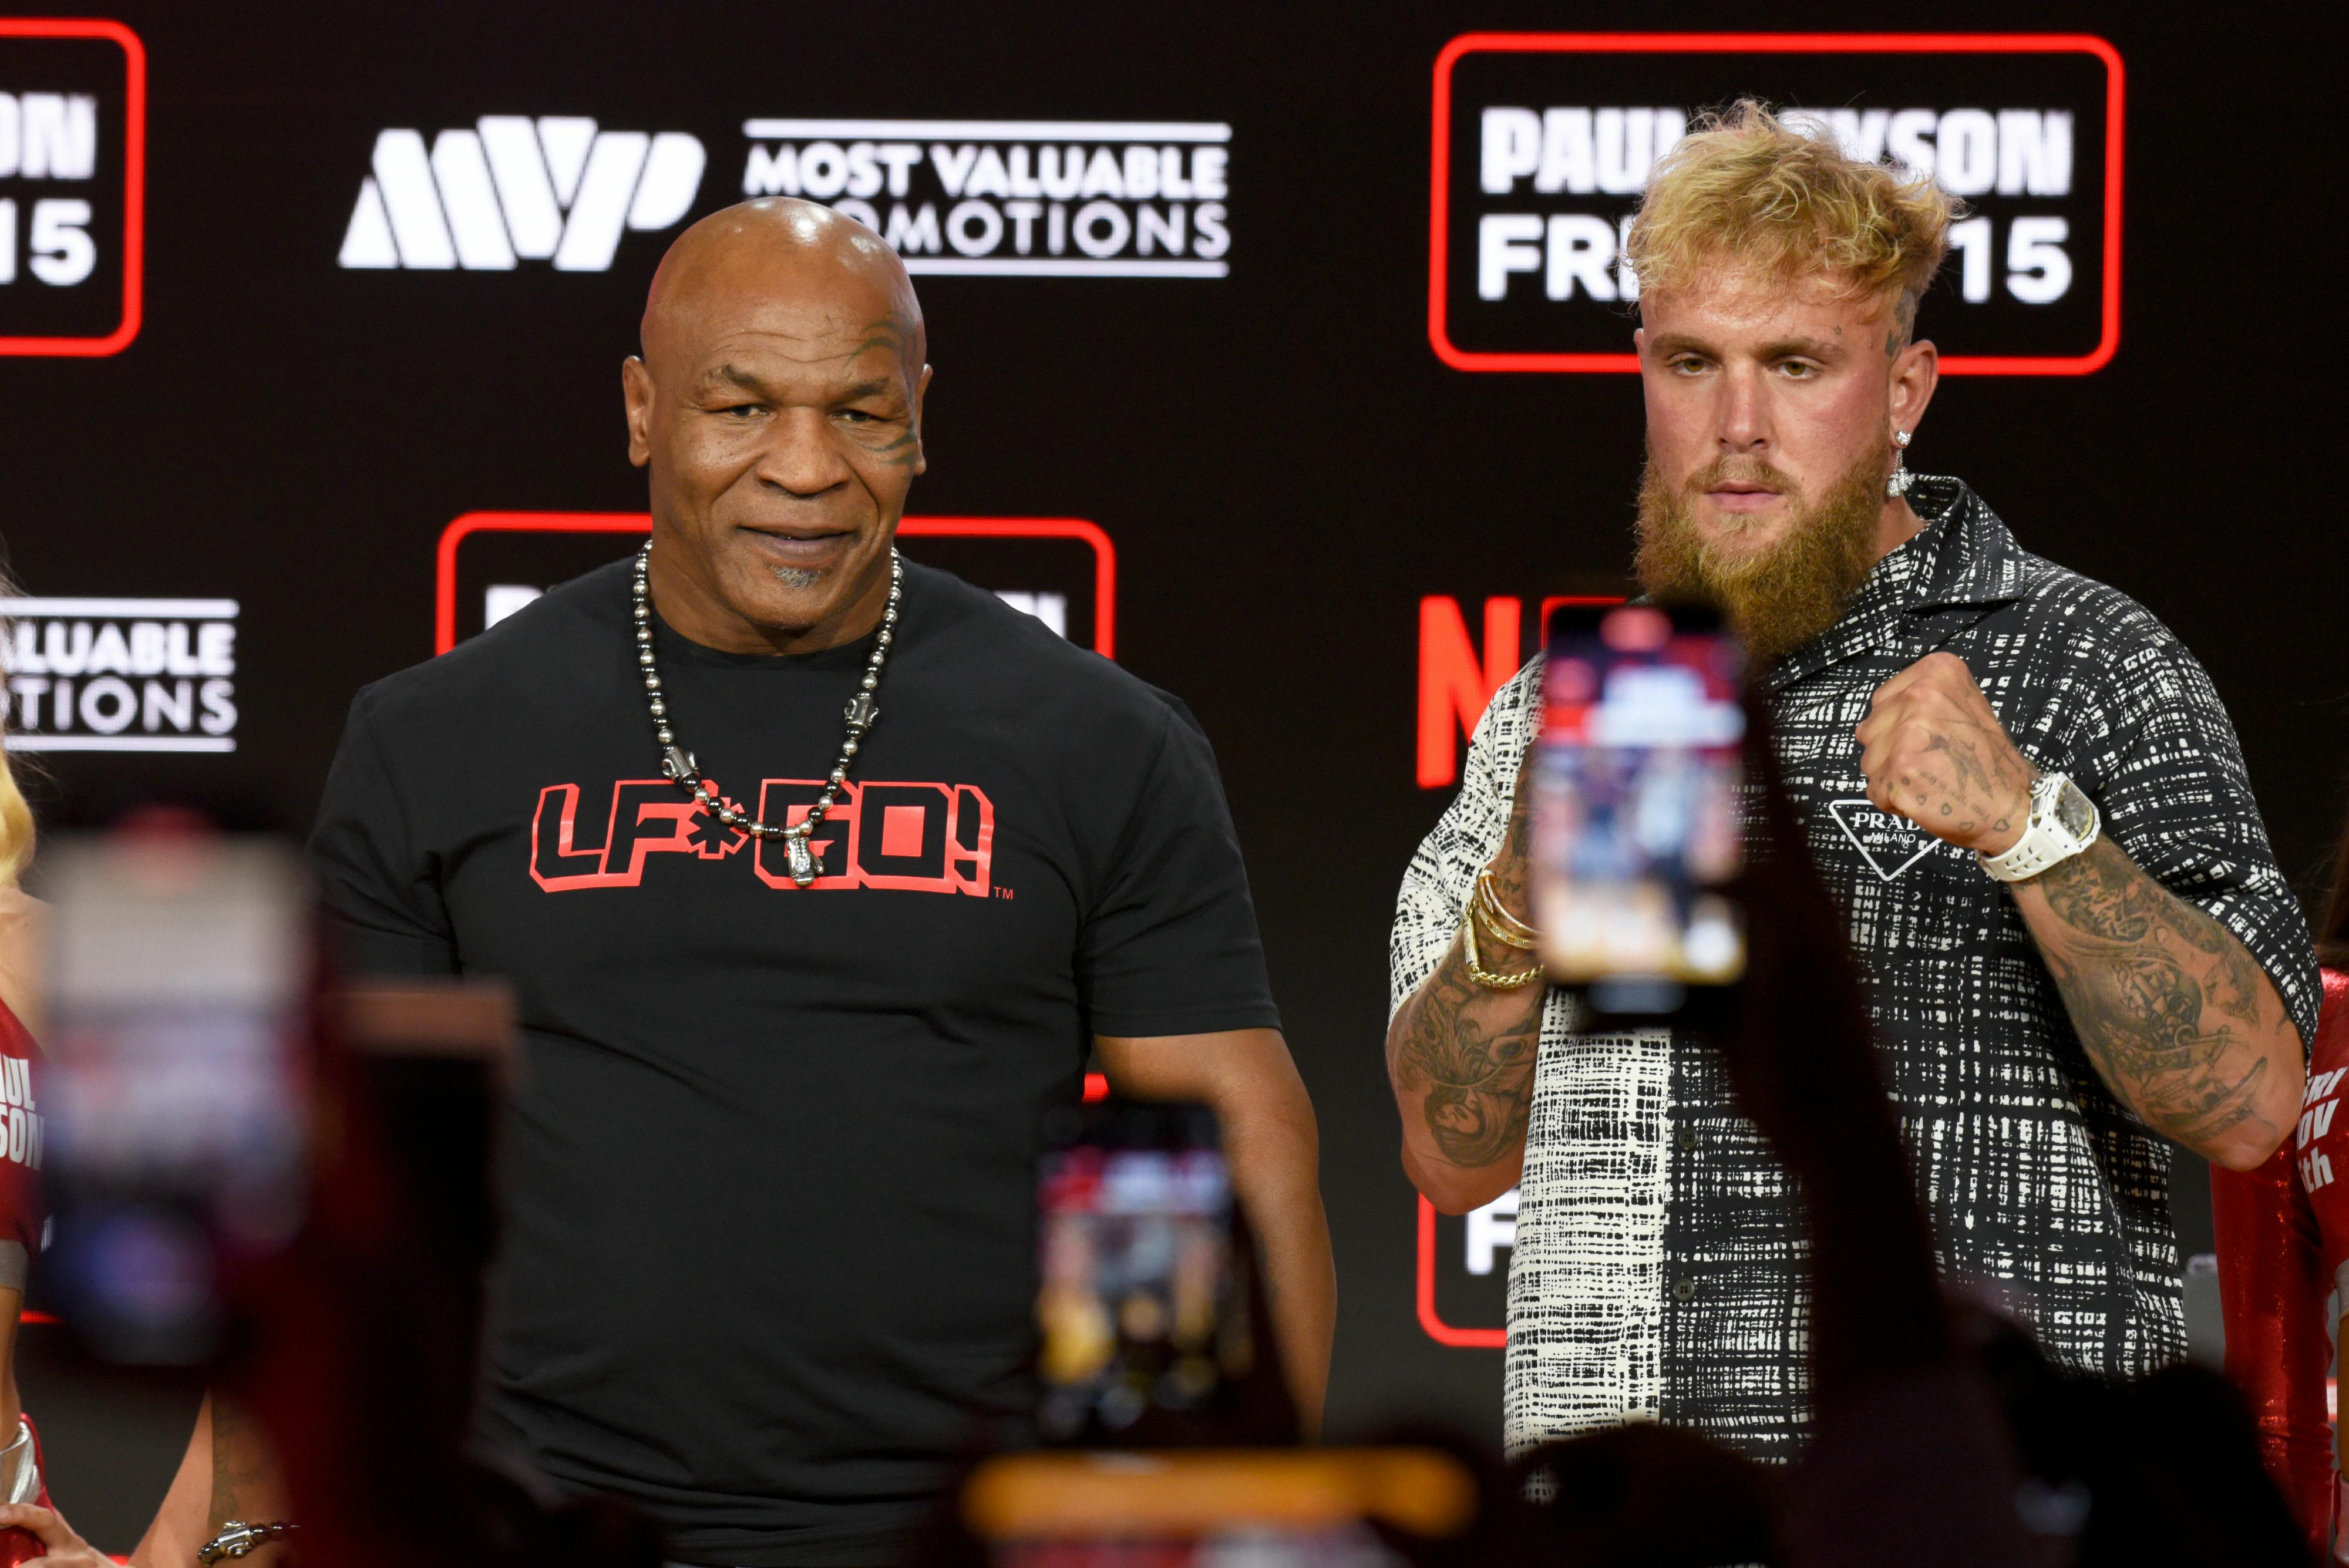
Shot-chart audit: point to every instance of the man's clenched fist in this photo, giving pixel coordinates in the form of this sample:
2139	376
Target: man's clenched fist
1932	750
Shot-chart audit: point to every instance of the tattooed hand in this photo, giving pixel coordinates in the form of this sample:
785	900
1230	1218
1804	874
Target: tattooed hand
1932	751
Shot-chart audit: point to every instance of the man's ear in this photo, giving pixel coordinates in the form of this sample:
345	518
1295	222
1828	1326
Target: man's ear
921	447
1916	371
636	398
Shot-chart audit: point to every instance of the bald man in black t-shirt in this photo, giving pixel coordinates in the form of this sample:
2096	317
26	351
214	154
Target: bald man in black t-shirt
818	875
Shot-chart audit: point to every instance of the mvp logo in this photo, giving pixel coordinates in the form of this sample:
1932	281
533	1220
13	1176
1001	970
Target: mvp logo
1015	198
514	188
909	838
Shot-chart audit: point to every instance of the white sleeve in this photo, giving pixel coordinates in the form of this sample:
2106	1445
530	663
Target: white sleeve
1435	886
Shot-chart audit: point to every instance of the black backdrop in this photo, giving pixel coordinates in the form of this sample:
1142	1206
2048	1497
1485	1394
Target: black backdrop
1285	465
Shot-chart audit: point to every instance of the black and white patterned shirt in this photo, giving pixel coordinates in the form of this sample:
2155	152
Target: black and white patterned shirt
1659	1265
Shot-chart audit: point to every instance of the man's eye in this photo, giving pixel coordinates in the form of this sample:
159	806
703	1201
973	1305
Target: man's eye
1798	370
1688	366
743	410
858	416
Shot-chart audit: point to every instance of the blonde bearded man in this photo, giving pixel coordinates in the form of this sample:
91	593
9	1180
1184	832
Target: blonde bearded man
2128	962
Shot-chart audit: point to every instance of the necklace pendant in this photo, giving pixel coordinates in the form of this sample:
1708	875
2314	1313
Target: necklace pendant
804	862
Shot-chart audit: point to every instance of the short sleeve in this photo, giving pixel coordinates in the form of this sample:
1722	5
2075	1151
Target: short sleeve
2166	773
380	888
1170	944
1435	885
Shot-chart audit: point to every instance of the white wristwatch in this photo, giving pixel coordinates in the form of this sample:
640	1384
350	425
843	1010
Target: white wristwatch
2063	823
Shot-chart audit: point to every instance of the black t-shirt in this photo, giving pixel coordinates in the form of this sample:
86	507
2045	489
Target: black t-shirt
769	1240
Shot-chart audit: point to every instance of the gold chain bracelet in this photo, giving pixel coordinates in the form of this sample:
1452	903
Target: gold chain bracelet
1476	970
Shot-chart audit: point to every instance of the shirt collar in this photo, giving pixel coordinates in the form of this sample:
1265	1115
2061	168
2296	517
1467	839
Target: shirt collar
1963	556
1980	562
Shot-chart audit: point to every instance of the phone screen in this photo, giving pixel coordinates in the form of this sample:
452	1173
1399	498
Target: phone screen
179	977
1637	817
1143	1302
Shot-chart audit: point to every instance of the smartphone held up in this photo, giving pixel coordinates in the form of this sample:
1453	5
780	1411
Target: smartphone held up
181	972
1638	821
1143	1301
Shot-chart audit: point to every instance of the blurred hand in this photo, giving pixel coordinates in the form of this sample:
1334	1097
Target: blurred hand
1651	1495
1801	1046
1801	1053
64	1548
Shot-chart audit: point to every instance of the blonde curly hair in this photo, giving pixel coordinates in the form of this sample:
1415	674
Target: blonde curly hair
1783	199
15	821
16	816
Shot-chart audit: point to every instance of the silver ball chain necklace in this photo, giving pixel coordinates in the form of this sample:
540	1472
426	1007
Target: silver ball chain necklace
681	768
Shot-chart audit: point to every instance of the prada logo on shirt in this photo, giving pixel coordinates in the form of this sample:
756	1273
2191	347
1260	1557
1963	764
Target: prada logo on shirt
1890	844
909	838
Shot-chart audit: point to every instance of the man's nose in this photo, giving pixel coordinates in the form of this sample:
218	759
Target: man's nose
1742	417
802	455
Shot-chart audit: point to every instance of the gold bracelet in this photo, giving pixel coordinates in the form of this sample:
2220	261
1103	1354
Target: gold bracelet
1479	973
1499	923
1482	918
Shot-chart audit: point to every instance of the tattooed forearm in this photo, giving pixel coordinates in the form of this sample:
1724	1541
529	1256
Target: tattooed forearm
246	1483
1466	1055
2243	983
2177	1018
1460	1054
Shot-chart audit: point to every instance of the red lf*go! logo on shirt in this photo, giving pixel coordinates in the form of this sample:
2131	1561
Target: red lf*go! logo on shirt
909	838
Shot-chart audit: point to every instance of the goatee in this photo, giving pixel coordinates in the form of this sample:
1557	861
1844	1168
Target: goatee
1780	598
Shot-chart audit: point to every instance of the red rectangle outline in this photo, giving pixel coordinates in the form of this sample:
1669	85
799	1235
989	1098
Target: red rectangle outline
444	589
1784	44
1437	1329
134	180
